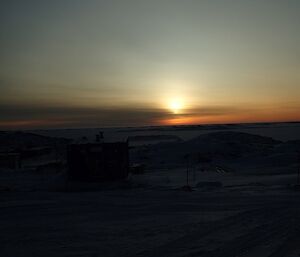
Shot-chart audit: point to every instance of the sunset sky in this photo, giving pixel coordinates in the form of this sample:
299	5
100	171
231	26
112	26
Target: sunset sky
88	63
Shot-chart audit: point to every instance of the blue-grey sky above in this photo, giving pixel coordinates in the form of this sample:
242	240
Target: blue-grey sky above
72	63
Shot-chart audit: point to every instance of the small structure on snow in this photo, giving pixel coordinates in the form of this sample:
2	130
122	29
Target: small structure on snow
10	160
98	161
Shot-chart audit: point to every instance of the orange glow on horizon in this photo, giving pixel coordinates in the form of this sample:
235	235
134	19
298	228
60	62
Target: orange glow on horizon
223	119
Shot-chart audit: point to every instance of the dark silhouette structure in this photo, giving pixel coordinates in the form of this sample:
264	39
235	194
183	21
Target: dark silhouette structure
10	160
98	161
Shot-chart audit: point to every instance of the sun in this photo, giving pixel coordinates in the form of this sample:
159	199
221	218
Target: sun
176	105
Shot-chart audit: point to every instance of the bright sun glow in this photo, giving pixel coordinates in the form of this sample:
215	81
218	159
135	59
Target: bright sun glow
176	106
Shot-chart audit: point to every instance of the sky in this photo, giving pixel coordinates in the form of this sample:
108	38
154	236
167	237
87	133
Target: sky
88	63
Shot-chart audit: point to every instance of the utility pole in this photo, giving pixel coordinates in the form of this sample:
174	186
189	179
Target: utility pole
187	169
298	176
187	173
187	186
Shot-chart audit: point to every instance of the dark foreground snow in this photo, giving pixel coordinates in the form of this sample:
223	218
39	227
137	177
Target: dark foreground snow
232	221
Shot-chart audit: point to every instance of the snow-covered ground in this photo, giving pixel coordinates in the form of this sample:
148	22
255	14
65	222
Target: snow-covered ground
242	202
139	221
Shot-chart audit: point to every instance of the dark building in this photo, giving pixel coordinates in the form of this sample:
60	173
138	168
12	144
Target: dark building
98	161
10	160
33	152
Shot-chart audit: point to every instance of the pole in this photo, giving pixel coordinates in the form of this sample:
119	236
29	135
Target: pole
187	170
298	177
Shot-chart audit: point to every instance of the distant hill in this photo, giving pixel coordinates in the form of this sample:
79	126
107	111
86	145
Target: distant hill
237	150
10	141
